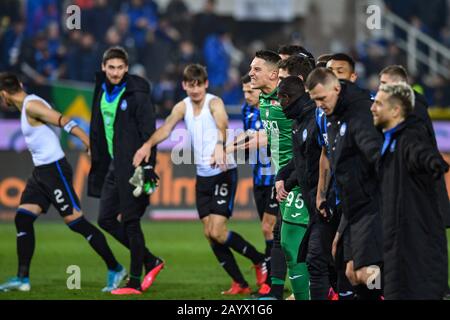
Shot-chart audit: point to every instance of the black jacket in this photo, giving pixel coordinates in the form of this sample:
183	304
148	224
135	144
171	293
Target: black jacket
421	111
134	124
355	145
304	165
415	246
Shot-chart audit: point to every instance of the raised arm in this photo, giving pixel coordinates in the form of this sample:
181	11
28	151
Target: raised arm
421	156
160	134
37	110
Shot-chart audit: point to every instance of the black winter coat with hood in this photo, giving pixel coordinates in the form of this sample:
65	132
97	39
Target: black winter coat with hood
134	124
355	146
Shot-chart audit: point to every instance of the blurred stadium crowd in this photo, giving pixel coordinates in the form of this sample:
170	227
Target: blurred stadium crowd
35	42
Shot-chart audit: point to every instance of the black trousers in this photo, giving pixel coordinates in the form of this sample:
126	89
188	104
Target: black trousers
319	258
277	259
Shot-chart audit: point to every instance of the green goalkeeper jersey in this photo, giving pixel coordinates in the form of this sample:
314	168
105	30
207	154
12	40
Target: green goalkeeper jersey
278	129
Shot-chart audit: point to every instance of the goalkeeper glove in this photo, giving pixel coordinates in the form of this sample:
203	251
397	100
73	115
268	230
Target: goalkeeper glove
145	180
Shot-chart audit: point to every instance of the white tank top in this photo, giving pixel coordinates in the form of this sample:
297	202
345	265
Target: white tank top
203	133
42	140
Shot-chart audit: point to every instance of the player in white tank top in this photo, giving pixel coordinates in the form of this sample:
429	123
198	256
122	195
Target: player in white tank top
41	140
50	183
204	135
206	121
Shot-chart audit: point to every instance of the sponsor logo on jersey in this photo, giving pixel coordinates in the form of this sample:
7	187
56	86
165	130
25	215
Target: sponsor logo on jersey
271	126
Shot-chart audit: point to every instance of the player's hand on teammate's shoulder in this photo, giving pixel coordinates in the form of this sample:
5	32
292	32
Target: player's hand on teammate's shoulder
143	153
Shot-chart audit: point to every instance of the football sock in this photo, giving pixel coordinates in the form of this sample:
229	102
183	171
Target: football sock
267	254
299	277
277	287
134	282
240	245
24	221
96	239
228	262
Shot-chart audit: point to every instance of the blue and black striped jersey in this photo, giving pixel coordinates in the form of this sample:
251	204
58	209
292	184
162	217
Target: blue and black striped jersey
321	120
263	171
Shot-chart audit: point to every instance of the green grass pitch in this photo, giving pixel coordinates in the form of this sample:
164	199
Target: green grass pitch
191	272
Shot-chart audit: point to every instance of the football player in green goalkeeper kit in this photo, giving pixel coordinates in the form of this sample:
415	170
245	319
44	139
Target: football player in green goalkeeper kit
294	214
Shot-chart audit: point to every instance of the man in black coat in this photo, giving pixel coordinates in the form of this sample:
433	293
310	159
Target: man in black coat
123	118
354	149
304	167
396	73
414	241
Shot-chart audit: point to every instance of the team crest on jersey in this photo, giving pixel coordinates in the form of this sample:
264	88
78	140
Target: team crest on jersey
274	103
393	145
325	138
343	129
124	105
305	135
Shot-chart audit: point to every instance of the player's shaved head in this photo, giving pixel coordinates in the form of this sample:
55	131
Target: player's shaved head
324	88
322	76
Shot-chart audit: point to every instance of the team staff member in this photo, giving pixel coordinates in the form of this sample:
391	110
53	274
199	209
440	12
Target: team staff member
123	118
354	149
414	241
